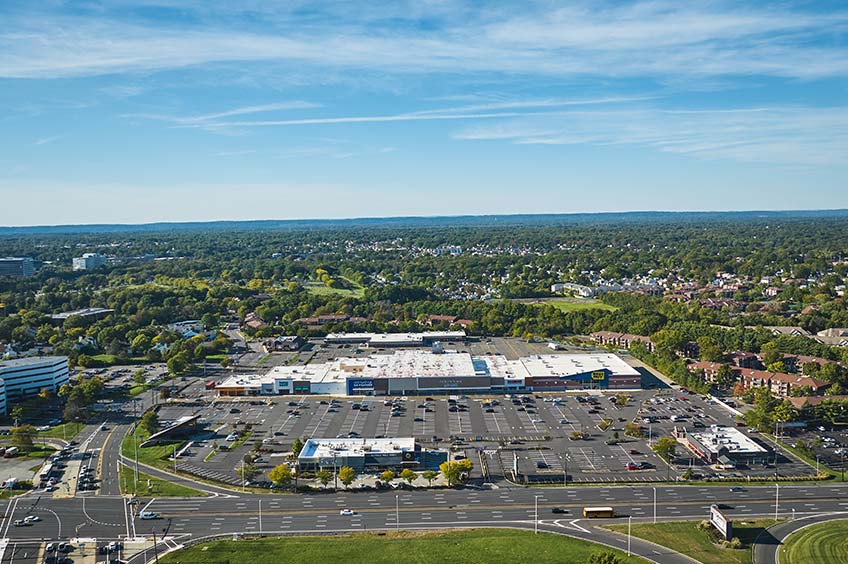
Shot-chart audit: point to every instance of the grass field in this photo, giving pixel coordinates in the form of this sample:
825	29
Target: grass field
825	543
65	431
572	304
319	289
684	537
156	456
455	547
150	486
112	360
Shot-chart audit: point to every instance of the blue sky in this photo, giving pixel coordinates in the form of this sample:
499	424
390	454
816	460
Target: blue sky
161	110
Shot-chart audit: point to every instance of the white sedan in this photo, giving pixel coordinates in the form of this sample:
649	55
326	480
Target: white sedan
347	512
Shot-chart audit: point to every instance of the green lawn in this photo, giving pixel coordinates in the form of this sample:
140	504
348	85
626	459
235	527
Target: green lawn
65	431
156	456
455	547
686	538
112	360
147	485
40	451
319	289
573	304
825	543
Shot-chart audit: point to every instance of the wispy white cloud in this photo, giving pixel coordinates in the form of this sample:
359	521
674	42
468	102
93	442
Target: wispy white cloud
46	140
779	135
471	112
278	106
659	38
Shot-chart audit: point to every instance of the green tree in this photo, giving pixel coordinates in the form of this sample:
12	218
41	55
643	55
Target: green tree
665	447
22	437
710	349
347	475
17	412
247	472
139	376
409	475
725	377
281	475
456	472
297	446
430	476
149	422
324	477
387	476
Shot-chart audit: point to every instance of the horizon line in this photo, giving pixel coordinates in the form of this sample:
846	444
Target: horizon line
425	217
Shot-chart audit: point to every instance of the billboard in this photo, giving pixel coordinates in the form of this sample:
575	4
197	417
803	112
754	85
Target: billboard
721	523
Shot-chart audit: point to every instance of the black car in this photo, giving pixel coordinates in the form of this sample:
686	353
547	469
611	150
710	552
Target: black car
559	510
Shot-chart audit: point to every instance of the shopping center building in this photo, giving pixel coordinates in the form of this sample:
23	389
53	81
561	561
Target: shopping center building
420	372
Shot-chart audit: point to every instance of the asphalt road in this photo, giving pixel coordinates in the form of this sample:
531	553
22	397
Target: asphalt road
107	517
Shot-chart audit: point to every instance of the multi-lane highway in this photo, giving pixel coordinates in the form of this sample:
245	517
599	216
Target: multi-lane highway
108	517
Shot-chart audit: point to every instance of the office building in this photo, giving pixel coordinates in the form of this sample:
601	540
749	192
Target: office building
89	261
24	377
17	266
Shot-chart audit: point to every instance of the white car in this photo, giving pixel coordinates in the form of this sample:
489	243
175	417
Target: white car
145	515
32	519
347	512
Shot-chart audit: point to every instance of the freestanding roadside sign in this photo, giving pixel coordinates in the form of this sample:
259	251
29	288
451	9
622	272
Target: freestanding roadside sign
721	522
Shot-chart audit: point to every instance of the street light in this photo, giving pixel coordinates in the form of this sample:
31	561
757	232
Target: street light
776	499
536	516
629	518
655	505
397	512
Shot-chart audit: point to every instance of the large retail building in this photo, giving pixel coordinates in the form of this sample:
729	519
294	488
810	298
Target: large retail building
428	372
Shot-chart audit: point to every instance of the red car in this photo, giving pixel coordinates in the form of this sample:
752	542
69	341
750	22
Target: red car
632	466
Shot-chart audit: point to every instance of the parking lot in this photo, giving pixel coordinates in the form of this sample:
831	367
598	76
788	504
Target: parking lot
527	438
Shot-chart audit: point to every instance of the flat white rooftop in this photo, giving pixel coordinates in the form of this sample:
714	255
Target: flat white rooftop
341	448
736	442
572	364
377	339
427	364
